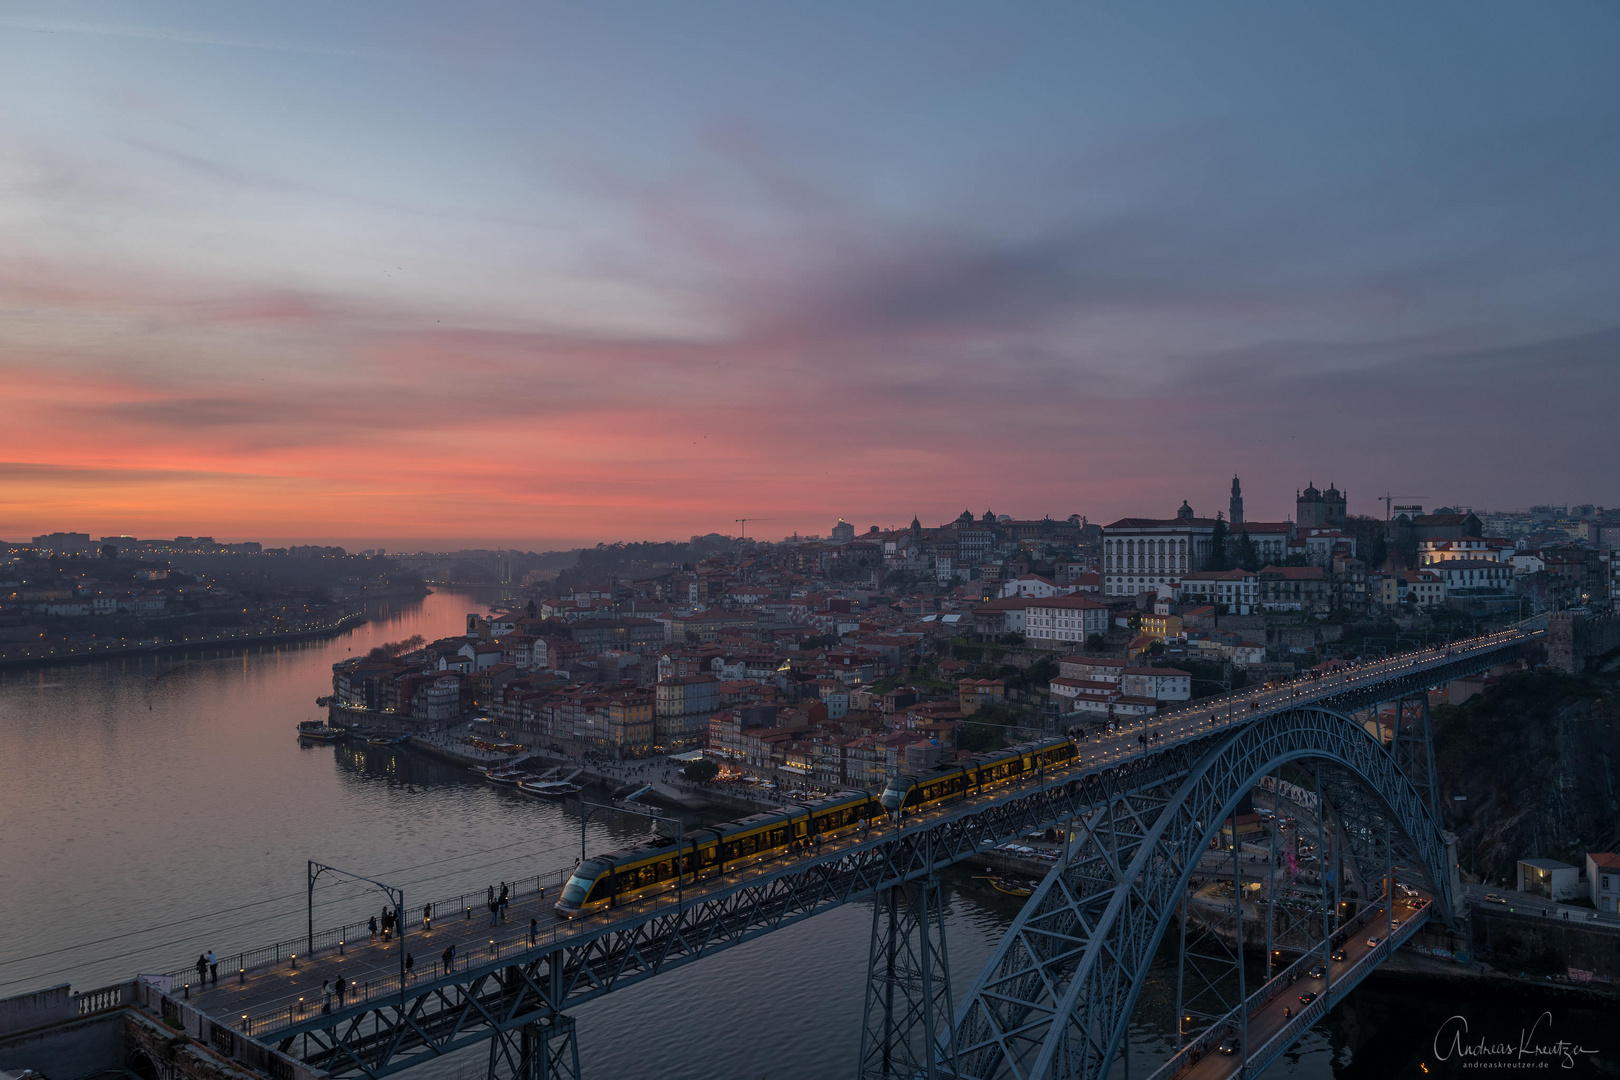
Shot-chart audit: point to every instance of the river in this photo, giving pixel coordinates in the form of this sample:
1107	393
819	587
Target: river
157	807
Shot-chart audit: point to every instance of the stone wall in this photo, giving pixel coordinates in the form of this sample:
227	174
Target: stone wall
1538	945
64	1050
1574	638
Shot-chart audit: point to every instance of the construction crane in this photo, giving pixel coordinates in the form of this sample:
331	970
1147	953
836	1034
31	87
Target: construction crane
744	523
1388	500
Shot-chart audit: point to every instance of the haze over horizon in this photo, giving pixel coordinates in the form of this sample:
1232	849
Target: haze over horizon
490	275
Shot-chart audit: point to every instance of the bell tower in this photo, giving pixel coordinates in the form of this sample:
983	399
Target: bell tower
1235	510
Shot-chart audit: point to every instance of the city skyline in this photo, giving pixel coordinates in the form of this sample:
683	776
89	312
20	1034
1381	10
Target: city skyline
381	277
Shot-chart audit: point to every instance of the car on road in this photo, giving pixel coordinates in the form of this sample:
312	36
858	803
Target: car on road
1229	1045
1372	943
1492	898
1316	972
1337	954
1307	997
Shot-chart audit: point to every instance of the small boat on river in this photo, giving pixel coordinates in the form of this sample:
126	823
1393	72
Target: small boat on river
549	789
1003	885
321	731
504	777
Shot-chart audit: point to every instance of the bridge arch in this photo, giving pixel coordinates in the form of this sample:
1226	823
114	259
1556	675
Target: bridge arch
1056	996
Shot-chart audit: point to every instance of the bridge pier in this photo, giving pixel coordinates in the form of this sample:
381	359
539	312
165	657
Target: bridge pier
543	1049
908	984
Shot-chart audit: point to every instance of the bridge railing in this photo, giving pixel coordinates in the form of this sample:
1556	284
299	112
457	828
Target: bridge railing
461	907
1312	1012
1206	1040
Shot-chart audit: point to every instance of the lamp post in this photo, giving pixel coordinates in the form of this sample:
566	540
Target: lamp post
397	896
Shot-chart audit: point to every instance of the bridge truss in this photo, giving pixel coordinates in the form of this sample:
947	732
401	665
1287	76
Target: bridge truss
1058	991
1056	996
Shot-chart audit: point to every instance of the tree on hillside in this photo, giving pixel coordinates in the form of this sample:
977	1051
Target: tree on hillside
701	771
1219	557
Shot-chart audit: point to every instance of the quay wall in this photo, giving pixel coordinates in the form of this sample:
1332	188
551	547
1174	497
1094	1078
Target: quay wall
348	622
1543	946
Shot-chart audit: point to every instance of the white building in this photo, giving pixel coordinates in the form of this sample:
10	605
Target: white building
1033	585
1550	878
1160	684
1490	548
1603	880
1061	621
1107	669
1474	574
1239	590
1270	539
1140	554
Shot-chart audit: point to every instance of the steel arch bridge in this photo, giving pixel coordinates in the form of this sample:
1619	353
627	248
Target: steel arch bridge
1057	994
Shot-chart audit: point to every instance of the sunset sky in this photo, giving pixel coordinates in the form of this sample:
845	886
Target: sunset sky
536	275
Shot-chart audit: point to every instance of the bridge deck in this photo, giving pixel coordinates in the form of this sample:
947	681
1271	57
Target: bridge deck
268	998
1270	1032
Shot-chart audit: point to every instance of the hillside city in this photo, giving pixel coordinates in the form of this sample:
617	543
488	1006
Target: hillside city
842	660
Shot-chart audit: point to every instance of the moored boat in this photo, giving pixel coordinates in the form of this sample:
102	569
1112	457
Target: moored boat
320	731
550	789
1002	885
504	777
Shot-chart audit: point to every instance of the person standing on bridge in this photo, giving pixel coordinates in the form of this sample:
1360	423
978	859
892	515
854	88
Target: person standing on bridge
410	966
341	986
427	917
445	958
213	967
372	926
534	930
202	969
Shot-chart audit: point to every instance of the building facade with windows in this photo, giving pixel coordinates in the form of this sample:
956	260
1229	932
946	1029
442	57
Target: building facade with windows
1062	621
1141	554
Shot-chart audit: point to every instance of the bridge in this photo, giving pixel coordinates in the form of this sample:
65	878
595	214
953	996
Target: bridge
1140	817
462	567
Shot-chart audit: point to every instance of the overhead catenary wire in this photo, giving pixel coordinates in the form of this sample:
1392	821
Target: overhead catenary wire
326	903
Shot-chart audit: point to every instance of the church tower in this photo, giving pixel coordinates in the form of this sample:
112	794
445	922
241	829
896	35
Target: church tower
1235	511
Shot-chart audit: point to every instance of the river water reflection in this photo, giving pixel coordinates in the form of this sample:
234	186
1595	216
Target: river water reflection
159	807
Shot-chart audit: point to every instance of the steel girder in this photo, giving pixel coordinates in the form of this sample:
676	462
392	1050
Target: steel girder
908	983
436	1018
1055	997
544	1049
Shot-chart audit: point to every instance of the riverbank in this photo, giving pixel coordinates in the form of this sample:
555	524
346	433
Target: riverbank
91	654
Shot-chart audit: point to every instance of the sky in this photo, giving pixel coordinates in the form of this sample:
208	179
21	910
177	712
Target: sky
537	275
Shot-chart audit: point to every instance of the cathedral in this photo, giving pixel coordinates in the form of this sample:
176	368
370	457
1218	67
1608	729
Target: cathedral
1320	509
